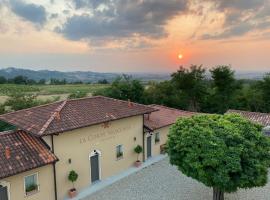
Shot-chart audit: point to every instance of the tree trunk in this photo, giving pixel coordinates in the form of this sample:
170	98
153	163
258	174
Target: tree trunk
218	194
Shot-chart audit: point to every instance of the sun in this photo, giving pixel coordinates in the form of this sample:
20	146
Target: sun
180	56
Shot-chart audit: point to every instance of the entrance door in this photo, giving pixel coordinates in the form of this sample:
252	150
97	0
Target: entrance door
149	146
3	193
94	168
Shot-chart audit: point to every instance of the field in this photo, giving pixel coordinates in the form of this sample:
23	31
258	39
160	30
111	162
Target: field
48	91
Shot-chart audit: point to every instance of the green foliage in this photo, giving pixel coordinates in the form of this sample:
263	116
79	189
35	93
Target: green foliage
31	188
124	88
264	87
191	83
7	89
222	151
5	126
103	81
164	93
138	150
77	94
224	89
55	81
3	80
2	109
18	101
72	177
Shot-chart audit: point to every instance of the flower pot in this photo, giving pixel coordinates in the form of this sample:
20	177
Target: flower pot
72	193
138	163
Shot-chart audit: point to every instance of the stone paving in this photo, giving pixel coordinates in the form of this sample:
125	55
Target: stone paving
161	181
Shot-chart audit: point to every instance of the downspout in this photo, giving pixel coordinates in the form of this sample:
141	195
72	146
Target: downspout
54	172
143	142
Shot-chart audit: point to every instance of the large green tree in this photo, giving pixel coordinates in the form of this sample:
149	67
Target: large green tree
225	152
264	87
224	89
164	93
191	82
124	87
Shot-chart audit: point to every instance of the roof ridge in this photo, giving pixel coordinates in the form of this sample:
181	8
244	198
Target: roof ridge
244	111
52	117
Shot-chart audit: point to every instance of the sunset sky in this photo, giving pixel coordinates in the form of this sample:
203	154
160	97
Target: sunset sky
134	35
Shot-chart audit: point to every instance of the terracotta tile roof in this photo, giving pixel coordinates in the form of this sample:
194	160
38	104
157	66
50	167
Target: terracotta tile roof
71	114
261	118
26	152
165	116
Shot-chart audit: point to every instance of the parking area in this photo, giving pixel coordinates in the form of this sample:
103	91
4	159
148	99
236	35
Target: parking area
163	181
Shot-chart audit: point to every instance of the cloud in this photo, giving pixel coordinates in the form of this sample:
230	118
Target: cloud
241	17
239	4
121	18
237	30
54	15
89	3
31	12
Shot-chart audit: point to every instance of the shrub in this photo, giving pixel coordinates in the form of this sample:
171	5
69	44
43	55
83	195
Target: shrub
138	149
72	177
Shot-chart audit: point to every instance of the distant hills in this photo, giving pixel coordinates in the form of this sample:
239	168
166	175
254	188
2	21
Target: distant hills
84	76
93	77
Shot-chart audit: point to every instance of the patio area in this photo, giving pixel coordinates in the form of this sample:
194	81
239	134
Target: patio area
83	194
161	181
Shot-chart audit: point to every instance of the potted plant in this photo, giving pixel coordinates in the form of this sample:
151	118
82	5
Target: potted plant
31	188
138	149
72	177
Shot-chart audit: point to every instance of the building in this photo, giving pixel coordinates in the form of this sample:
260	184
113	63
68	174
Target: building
257	117
26	164
94	136
157	125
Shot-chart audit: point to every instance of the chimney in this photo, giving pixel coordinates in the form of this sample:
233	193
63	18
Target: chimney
7	153
130	104
58	117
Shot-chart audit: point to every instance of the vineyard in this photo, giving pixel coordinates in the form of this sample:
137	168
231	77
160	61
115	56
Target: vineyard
7	89
48	92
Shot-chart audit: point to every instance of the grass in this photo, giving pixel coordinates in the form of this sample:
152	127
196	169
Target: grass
6	89
48	91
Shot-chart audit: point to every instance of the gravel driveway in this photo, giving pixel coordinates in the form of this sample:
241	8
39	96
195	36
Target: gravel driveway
162	181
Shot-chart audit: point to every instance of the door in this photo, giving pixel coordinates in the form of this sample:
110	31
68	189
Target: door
149	146
94	168
3	193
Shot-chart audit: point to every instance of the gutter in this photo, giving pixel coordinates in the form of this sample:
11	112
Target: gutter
143	141
54	172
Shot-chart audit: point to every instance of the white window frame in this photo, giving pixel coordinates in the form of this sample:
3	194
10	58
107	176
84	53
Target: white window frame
38	186
157	133
121	148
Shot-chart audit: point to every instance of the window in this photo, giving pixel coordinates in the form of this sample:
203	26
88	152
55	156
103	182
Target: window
119	151
157	138
31	184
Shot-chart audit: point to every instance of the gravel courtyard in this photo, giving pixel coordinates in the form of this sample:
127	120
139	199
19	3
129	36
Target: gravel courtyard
162	181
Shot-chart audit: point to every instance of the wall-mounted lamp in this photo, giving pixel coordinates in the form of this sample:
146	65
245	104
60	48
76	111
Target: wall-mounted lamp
134	139
69	161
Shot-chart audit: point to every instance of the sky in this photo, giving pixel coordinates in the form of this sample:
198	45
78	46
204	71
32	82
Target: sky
134	35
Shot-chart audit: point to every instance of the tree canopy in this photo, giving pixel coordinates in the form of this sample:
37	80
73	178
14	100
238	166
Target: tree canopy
124	87
190	82
225	152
